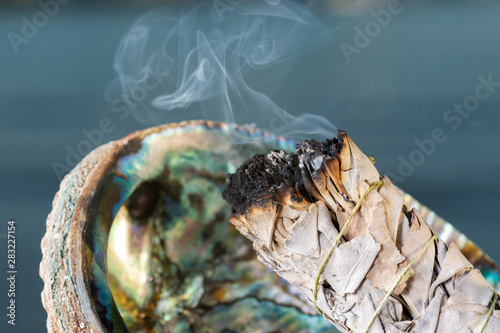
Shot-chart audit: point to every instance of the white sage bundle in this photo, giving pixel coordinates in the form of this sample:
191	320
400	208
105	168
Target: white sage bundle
324	220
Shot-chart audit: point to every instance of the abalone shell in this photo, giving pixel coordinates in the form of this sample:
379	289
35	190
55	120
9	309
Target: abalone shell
138	240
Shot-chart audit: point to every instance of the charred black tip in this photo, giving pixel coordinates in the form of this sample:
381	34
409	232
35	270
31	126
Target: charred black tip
262	175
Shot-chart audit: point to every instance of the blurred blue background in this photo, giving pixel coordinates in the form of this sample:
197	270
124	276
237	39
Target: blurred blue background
386	91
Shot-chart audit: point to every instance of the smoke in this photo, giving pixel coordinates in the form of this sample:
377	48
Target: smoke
203	56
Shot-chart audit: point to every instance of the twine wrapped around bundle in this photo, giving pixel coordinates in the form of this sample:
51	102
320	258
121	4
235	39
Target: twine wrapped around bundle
324	220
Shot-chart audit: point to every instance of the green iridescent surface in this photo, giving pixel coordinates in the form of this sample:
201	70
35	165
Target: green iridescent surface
173	262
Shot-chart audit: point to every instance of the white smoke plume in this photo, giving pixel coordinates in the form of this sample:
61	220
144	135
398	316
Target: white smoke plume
203	55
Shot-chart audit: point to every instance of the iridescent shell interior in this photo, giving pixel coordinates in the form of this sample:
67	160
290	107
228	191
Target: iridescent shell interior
161	242
138	240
